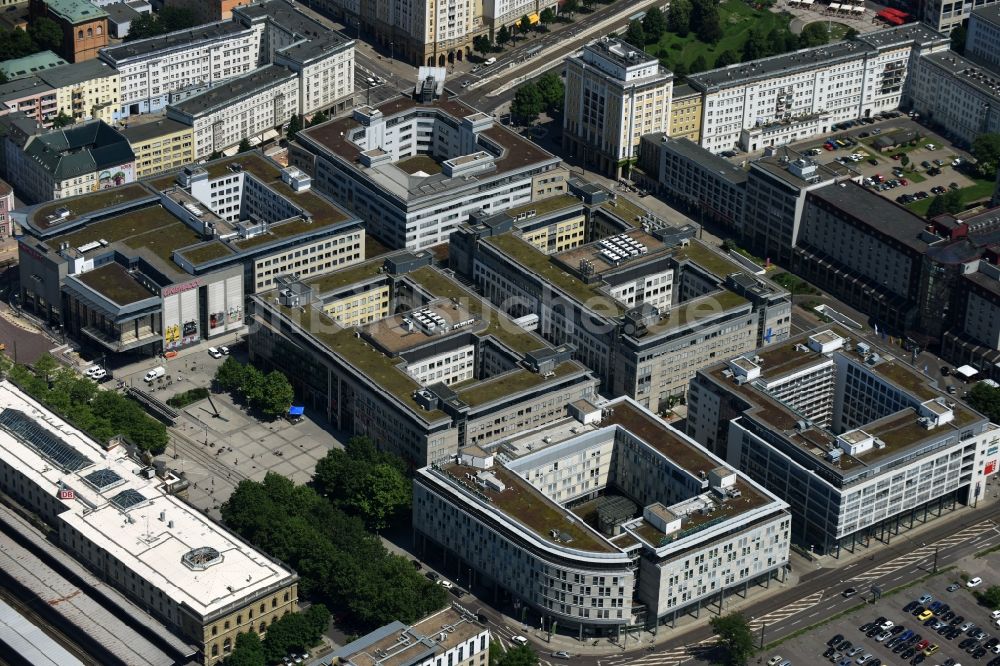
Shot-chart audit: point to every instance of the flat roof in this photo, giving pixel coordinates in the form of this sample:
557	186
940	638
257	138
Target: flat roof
778	166
869	209
114	282
137	133
765	68
706	159
975	76
234	89
121	516
77	72
84	204
397	644
75	11
179	39
990	12
518	153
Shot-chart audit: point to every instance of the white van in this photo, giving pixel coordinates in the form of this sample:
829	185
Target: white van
520	640
155	373
490	61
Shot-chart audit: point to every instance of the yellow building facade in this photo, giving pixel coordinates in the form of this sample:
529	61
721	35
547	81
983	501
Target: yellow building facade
160	146
362	308
685	114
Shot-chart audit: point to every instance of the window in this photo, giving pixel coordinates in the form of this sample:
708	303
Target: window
90	33
79	35
227	646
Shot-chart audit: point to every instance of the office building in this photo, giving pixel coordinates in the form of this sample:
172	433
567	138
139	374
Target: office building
858	443
945	16
43	165
395	350
161	145
246	106
615	93
810	89
158	265
606	519
982	41
6	205
644	309
694	179
776	191
685	114
449	636
180	64
124	521
416	171
84	26
955	94
207	12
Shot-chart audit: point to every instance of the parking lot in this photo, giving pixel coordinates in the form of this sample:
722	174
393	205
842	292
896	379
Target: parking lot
956	608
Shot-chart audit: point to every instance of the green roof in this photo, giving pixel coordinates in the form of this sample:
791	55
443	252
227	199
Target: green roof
539	263
691	311
625	209
199	254
30	65
709	259
115	283
119	227
545	206
345	277
507	384
163	241
88	203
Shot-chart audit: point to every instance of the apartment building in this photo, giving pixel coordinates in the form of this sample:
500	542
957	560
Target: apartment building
644	309
982	41
694	179
498	13
839	81
162	145
685	114
158	71
858	443
84	26
956	95
29	96
208	12
416	171
603	520
615	93
449	636
776	191
6	205
945	16
85	90
123	520
247	106
52	164
162	264
397	369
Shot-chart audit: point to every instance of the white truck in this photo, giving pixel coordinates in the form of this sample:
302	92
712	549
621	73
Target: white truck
155	373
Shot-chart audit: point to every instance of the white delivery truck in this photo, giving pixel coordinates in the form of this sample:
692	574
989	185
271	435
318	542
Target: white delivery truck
155	373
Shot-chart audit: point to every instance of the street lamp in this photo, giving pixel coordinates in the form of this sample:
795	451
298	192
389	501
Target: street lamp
392	50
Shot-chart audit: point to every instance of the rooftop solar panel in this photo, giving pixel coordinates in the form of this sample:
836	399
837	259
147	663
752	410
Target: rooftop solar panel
128	499
45	443
102	479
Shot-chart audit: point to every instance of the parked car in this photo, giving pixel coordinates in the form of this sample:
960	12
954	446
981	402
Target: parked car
974	582
775	660
863	659
829	652
926	615
922	645
908	608
521	640
883	636
953	586
562	654
214	352
835	640
224	351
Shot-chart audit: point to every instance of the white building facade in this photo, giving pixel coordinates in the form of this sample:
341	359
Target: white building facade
982	42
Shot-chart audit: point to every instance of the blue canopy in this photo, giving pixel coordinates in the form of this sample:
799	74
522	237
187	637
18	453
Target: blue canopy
296	411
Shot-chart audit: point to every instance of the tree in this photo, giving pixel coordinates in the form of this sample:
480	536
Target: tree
756	46
553	91
248	651
230	375
173	19
62	120
986	149
904	161
851	34
735	637
814	34
679	17
503	35
277	395
950	202
482	44
319	119
45	367
294	126
143	26
699	64
990	597
571	7
727	58
958	36
524	24
244	146
547	16
635	35
15	44
521	655
365	482
45	33
705	21
527	103
986	399
654	24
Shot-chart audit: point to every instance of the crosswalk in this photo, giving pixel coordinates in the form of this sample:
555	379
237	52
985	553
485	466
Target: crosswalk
924	552
787	611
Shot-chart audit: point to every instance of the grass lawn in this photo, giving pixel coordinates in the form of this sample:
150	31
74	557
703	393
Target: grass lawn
980	190
738	18
837	30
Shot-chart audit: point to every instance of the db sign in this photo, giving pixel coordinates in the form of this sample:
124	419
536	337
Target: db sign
67	494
